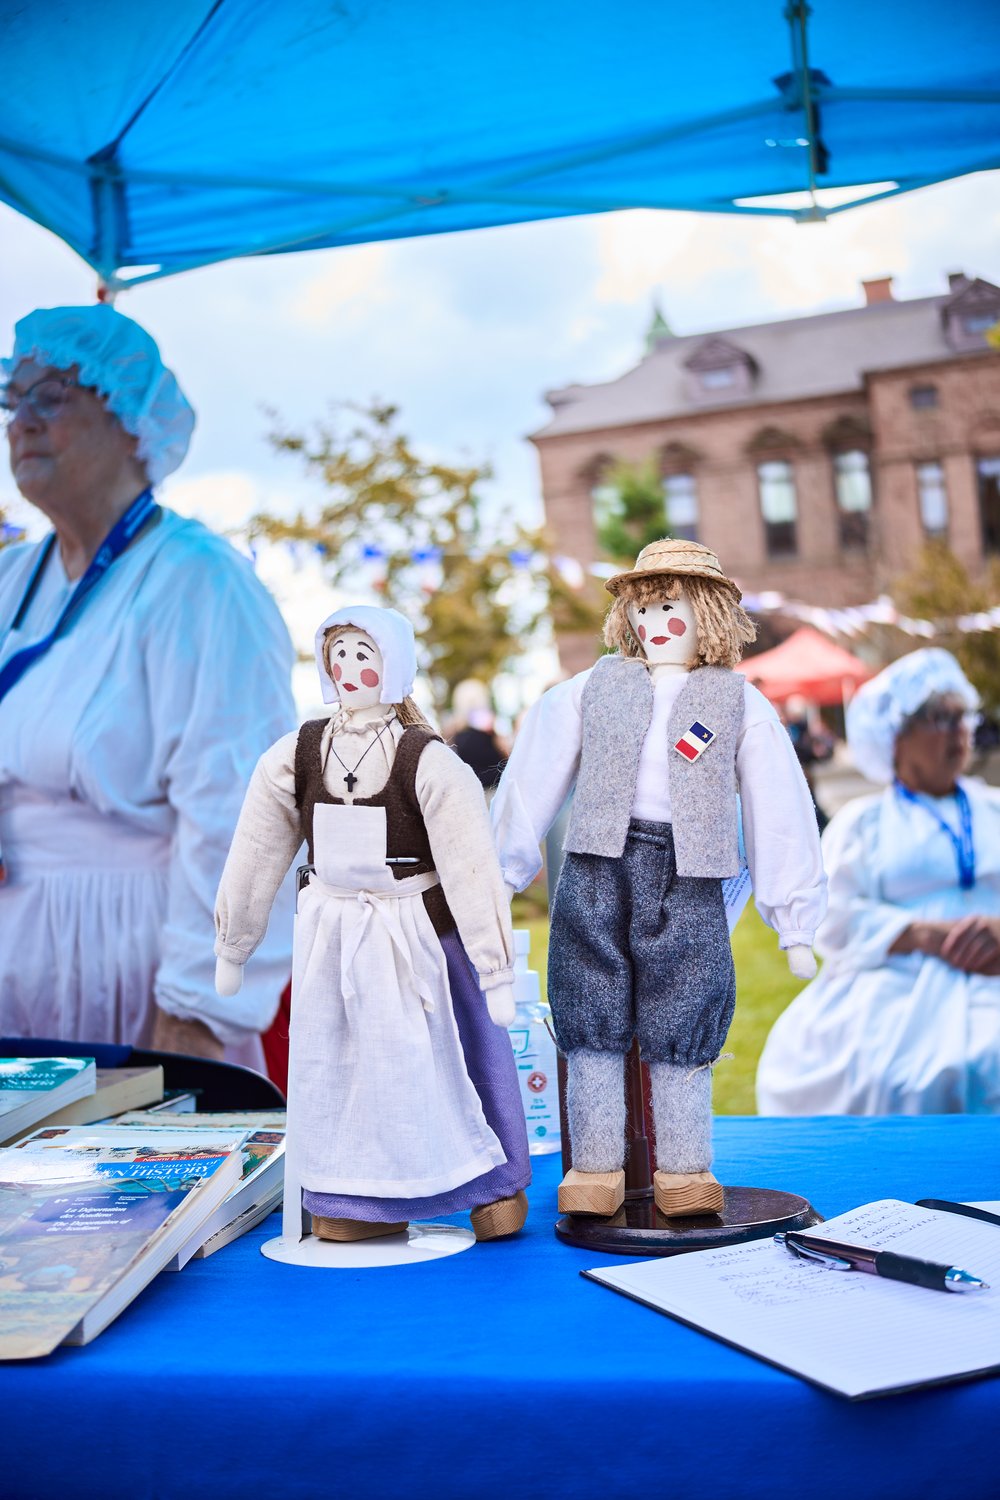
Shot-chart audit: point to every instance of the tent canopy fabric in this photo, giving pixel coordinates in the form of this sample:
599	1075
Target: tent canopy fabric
807	665
167	135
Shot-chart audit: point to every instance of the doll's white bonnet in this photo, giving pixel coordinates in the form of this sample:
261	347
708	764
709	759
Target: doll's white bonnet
392	634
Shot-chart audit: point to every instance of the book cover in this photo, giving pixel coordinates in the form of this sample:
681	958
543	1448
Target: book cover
260	1186
87	1220
32	1087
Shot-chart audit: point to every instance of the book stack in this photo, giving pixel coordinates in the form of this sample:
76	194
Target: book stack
259	1190
116	1089
88	1216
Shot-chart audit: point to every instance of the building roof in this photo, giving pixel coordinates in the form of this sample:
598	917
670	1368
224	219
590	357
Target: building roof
791	359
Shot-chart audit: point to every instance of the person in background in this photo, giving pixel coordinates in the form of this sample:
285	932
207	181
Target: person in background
812	745
131	641
905	1015
473	734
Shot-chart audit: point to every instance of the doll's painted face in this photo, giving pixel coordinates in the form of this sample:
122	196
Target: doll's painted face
356	668
667	629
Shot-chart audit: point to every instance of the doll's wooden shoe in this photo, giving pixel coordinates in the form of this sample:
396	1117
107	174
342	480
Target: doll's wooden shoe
494	1221
599	1193
679	1193
345	1230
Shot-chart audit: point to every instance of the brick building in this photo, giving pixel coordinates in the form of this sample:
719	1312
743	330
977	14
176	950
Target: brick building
813	454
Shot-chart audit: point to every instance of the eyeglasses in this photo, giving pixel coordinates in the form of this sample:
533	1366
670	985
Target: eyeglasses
47	398
942	720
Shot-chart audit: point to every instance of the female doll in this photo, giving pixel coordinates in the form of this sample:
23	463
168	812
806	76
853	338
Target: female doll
403	1085
660	739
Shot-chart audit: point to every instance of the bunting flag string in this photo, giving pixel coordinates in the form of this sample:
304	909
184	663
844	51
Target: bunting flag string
847	620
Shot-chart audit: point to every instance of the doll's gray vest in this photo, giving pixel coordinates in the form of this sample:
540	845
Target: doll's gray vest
617	709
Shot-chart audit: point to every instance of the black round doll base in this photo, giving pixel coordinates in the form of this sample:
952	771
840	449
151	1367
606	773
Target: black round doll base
638	1228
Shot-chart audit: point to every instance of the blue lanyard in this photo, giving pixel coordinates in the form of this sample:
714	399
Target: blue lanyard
961	842
143	507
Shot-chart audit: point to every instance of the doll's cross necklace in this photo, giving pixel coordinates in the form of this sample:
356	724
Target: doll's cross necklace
350	778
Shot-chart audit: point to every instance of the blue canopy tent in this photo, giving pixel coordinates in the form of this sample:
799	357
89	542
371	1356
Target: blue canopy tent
157	137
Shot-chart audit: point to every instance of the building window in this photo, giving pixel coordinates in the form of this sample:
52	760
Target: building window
680	496
923	397
853	484
717	380
933	497
979	322
778	506
988	475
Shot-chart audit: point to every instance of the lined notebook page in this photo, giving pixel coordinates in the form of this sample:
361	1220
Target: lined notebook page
856	1334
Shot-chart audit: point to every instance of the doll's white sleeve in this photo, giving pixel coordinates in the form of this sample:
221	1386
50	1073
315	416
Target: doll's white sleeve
538	778
779	827
458	827
267	837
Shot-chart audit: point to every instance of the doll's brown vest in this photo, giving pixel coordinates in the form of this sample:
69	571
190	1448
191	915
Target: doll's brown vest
406	832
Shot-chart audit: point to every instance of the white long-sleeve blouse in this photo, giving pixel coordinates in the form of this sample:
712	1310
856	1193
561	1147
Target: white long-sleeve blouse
779	822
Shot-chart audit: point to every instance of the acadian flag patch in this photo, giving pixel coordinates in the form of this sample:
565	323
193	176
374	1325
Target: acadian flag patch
695	741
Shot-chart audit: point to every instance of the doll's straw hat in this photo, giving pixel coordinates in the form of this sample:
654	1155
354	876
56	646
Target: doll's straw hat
676	557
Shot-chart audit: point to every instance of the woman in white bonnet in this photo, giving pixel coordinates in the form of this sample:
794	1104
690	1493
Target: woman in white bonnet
905	1016
126	740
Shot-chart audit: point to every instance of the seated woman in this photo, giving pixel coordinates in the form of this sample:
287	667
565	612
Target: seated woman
905	1015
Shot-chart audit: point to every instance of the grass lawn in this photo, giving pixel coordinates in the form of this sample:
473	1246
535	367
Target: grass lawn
763	989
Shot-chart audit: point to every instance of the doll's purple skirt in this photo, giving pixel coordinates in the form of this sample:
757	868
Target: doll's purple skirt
490	1061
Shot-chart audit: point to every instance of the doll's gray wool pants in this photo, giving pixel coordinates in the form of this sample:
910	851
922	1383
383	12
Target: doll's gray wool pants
637	950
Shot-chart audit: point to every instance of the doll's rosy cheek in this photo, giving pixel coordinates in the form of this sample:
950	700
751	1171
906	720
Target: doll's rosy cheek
369	678
642	632
337	672
676	627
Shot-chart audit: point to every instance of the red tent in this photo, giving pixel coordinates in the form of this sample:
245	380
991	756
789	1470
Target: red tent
807	665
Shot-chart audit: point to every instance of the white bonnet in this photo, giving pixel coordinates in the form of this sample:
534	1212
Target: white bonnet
120	360
879	709
392	634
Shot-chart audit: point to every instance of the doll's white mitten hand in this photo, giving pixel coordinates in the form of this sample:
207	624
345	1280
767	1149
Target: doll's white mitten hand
500	1004
228	977
801	961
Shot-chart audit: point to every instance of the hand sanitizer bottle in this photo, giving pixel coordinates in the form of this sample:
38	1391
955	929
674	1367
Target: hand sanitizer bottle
534	1054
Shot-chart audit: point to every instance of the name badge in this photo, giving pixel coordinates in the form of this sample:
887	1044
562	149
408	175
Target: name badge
695	741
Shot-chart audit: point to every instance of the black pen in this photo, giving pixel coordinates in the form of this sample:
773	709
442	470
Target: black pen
837	1257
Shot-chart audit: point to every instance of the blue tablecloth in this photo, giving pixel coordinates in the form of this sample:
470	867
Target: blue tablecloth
499	1372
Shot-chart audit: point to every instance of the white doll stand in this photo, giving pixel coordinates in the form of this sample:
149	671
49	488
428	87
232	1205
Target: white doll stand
296	1246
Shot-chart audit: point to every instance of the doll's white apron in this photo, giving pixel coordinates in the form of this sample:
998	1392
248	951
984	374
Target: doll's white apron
380	1099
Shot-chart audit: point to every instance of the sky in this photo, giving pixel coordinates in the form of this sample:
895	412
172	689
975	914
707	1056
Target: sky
465	332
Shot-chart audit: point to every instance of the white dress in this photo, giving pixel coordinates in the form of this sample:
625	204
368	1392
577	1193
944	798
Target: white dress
893	1034
124	755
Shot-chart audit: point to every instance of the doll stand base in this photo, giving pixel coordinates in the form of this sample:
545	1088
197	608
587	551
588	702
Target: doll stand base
421	1242
638	1228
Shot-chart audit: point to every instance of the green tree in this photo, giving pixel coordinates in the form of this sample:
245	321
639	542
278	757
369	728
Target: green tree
939	589
630	510
476	592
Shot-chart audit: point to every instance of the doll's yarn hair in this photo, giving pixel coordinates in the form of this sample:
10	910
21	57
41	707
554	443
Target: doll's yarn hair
724	627
407	712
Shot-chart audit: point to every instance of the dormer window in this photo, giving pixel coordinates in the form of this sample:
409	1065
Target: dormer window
970	313
719	369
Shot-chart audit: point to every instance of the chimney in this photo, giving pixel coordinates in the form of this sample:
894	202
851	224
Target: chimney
957	281
879	289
